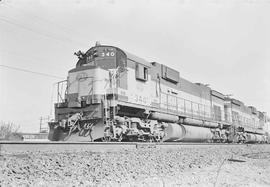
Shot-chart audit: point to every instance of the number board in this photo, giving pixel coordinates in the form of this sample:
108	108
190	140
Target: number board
106	52
101	53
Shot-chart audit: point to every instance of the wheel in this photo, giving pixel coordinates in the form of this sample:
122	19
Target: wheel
106	139
120	137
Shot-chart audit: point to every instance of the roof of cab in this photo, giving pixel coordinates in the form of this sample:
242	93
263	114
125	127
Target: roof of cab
129	55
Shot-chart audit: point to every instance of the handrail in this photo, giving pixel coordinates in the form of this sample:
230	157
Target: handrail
61	91
184	106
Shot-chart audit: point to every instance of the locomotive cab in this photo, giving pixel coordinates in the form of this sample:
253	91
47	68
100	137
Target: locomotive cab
91	79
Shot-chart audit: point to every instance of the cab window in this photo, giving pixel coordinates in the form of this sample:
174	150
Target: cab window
141	72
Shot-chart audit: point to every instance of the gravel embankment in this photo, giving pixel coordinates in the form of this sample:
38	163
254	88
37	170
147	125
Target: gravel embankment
188	166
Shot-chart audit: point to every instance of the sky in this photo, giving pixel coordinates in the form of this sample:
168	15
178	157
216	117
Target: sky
223	43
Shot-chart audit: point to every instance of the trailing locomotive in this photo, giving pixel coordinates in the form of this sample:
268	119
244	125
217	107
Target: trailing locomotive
112	95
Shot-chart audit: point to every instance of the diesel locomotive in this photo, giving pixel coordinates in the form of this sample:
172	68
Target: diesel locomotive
112	95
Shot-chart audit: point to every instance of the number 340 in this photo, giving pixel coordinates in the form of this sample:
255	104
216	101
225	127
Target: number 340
107	54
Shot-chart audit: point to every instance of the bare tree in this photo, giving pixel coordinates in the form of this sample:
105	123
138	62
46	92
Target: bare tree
9	131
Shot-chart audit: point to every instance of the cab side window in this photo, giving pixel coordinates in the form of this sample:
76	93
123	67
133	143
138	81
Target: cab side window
141	72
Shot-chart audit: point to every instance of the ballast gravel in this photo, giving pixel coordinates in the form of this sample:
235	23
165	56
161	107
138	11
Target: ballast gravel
246	165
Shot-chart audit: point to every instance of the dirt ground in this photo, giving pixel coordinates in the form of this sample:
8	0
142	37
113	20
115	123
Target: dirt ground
243	165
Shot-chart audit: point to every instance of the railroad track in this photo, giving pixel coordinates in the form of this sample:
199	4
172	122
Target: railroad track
10	147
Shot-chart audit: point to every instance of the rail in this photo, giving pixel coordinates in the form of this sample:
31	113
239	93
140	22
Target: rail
9	147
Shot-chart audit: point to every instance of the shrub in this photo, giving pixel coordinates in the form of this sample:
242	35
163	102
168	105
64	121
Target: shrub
9	131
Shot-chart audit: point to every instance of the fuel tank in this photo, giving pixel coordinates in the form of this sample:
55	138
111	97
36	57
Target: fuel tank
250	138
174	132
196	134
260	138
183	133
254	138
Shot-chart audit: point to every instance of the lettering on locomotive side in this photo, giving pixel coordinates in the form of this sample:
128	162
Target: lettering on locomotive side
140	99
